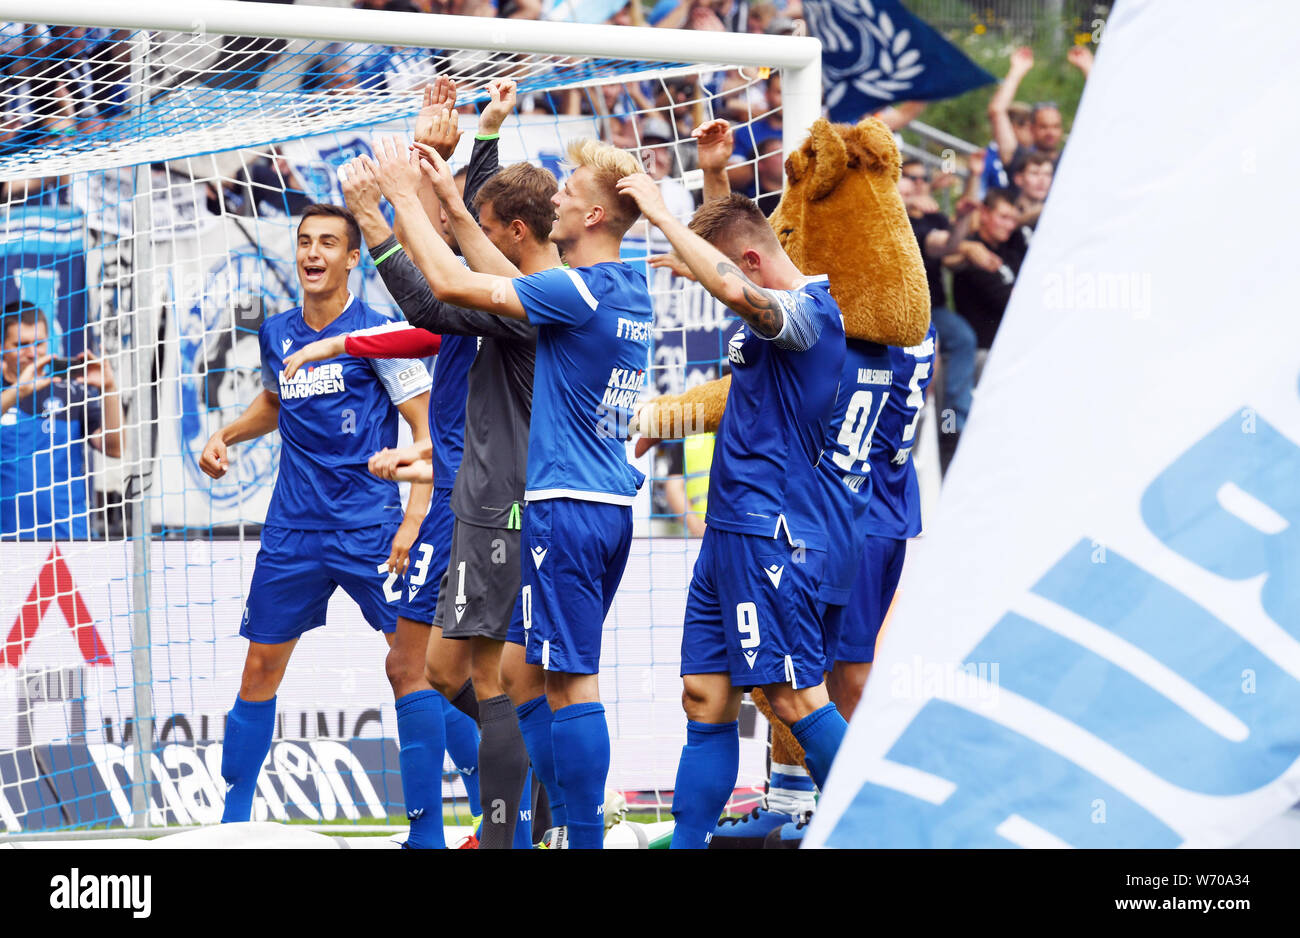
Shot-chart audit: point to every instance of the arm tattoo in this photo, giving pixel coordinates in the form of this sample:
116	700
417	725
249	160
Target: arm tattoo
765	313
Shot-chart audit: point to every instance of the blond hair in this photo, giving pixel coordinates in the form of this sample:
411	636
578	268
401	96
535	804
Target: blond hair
608	164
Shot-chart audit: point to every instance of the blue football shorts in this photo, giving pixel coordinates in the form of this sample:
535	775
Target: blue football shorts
297	572
428	563
752	612
854	627
573	559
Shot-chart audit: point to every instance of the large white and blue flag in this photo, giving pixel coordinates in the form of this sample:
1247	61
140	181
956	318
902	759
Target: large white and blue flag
874	53
1097	644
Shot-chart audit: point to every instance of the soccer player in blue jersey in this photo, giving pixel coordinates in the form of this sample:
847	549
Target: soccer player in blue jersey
752	613
331	522
594	322
893	516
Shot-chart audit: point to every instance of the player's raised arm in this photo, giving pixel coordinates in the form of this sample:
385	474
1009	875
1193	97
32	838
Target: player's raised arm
399	177
758	306
398	340
479	252
436	125
715	143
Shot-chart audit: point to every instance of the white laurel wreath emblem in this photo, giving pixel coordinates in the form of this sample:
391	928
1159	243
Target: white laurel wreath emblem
893	67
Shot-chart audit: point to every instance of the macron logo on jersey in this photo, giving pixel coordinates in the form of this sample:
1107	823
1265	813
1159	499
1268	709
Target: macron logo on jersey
634	330
313	382
284	346
774	574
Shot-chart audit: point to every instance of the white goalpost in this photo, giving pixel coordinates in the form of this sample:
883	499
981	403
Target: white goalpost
152	160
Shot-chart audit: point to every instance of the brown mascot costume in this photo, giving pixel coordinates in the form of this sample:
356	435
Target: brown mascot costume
840	215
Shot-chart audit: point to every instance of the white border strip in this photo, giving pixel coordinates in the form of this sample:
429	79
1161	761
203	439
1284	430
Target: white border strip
336	24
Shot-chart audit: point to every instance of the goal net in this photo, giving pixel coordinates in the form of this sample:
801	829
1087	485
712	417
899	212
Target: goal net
150	176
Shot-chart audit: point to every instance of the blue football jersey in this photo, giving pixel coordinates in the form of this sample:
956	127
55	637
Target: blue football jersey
846	473
764	478
447	406
43	461
334	415
593	345
895	509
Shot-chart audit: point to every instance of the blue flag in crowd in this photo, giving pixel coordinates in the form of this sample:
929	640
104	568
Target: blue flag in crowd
875	53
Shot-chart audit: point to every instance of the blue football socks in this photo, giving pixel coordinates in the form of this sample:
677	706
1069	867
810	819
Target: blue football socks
580	738
706	777
535	721
249	728
462	746
421	734
820	733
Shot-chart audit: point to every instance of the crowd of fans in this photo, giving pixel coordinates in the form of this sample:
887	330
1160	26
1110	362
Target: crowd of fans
983	243
59	80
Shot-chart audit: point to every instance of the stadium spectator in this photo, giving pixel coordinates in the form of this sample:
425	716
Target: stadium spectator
275	187
718	15
657	156
993	174
93	72
1033	178
936	236
1045	120
768	125
45	416
1081	58
770	170
986	264
36	99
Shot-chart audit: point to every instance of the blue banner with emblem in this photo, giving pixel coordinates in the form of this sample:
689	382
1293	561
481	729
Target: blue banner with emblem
876	53
43	262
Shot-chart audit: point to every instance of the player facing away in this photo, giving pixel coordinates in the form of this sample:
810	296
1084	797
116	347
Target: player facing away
478	609
594	322
752	611
873	395
331	522
893	516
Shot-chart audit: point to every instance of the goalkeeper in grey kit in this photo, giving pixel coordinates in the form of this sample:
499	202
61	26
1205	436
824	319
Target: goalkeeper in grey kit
477	628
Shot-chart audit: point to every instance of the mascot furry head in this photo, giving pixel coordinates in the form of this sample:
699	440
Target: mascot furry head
841	215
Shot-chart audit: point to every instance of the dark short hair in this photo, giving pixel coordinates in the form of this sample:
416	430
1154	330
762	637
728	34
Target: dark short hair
735	215
21	313
334	211
521	191
996	195
1025	160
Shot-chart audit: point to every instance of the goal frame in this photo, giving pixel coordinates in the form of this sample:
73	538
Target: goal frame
799	57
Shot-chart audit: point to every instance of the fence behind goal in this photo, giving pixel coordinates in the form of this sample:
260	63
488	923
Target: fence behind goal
150	184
